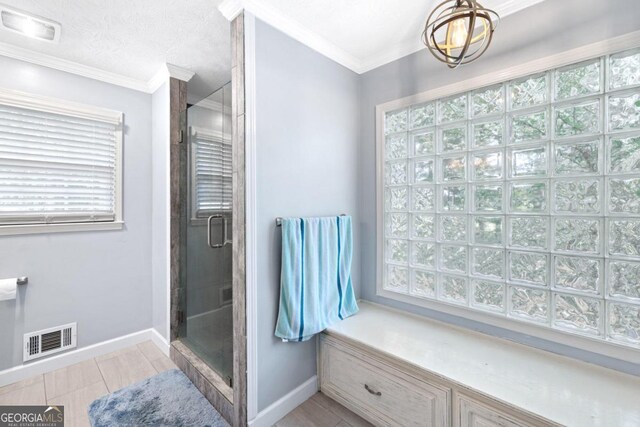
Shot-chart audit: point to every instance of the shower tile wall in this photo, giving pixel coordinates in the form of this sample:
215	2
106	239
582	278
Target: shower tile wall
178	104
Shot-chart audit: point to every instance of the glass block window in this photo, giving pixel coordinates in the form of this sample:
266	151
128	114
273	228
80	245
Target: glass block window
522	199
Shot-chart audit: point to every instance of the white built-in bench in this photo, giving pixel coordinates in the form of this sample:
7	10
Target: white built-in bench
397	369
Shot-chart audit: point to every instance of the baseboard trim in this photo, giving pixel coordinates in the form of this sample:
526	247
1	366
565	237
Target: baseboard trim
21	372
160	341
274	412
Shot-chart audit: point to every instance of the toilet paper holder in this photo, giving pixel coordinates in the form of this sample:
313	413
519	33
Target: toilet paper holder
22	280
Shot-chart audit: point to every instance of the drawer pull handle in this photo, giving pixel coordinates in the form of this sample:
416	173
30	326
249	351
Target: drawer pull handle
377	393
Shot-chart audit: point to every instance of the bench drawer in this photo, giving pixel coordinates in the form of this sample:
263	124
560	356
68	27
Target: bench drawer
474	413
379	392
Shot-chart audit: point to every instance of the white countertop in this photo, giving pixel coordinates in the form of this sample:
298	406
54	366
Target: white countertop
558	388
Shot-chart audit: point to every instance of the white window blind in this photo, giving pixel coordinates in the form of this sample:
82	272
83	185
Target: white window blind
59	162
211	167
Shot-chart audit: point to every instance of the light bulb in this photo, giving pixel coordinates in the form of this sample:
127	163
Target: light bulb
459	33
30	28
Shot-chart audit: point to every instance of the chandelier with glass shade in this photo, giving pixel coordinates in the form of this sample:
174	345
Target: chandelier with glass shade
459	31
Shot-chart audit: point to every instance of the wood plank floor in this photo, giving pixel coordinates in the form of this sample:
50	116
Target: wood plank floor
78	385
320	411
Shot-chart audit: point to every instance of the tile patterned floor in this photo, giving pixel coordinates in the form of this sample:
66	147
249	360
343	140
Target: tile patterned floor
320	411
78	385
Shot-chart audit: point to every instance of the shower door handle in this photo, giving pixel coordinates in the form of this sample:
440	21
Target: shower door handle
225	232
209	242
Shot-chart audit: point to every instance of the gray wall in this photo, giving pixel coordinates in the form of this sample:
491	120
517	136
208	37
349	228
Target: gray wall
307	157
102	280
160	137
542	30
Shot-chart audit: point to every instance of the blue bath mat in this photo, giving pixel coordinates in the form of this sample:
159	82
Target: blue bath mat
166	399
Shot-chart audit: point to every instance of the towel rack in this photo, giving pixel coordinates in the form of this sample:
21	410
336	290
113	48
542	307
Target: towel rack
279	220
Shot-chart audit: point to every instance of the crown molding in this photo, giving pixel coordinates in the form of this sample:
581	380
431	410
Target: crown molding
512	6
158	79
49	61
412	46
212	105
393	54
165	72
232	8
179	72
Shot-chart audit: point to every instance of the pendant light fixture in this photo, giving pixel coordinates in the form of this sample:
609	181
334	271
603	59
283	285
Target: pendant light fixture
459	31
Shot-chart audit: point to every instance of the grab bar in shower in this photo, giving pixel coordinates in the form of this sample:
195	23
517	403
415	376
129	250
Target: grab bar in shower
279	220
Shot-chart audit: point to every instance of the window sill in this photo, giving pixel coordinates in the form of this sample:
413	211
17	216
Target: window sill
582	342
13	230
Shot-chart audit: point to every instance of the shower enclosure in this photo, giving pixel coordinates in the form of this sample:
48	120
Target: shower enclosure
205	320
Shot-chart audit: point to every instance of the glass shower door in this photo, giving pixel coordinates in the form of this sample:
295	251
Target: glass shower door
207	300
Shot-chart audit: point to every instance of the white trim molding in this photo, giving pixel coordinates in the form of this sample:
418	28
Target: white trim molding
60	64
59	106
27	370
251	255
512	6
211	105
159	78
14	230
414	45
50	61
293	29
164	73
232	8
160	341
574	56
277	410
179	72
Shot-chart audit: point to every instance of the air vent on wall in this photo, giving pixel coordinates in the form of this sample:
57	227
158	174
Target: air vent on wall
49	341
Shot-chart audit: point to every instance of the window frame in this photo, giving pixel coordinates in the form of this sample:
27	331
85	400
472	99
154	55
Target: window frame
568	58
216	136
74	109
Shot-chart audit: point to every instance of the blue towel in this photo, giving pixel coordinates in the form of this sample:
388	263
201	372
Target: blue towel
315	282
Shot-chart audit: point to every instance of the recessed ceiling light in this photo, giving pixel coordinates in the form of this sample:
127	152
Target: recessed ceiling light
29	25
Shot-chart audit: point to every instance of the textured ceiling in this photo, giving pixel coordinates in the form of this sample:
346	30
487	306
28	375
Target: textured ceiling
135	37
368	32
